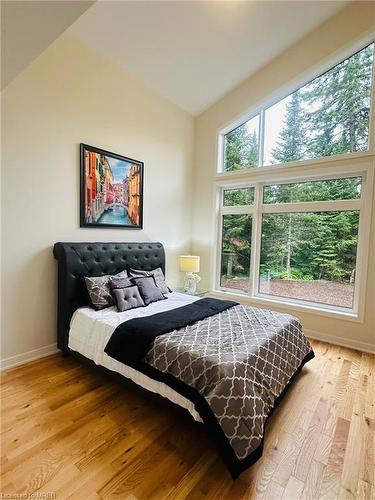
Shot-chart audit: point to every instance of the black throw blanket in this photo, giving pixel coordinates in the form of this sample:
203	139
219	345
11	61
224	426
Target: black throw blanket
132	339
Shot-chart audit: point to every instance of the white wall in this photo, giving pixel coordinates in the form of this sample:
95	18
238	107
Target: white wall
346	28
67	96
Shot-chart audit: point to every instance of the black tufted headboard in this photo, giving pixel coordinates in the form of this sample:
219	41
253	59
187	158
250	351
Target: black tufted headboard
94	259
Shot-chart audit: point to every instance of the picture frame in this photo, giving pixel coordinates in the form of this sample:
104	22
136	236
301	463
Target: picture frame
111	190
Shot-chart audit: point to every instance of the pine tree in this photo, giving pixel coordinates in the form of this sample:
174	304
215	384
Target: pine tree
291	145
241	149
341	102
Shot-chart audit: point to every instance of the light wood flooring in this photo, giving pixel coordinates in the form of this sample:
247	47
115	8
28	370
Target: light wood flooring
76	433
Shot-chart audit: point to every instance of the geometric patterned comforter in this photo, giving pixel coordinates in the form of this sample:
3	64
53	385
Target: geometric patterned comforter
239	360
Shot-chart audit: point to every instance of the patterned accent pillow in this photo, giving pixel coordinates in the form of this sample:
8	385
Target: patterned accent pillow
127	298
156	273
148	289
99	290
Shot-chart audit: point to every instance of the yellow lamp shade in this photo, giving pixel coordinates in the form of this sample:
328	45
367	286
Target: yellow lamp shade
189	263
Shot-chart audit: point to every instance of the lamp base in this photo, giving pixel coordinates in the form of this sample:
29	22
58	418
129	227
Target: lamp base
191	280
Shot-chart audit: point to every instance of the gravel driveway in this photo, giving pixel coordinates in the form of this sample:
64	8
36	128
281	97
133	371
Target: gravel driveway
324	292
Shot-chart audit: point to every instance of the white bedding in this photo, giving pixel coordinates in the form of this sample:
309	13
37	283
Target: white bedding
90	331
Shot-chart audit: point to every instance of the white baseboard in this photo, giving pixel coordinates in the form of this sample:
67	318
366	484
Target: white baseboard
350	343
26	357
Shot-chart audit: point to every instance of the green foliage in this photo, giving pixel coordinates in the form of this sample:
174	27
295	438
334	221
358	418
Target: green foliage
240	149
240	196
340	99
334	189
236	245
323	245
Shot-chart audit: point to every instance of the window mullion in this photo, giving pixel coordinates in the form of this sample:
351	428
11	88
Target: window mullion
371	125
255	241
261	138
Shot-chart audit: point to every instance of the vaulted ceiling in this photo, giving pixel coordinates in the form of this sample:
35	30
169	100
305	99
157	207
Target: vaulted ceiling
193	52
190	52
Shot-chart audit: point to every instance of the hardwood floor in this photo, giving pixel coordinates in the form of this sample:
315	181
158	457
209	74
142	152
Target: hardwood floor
74	432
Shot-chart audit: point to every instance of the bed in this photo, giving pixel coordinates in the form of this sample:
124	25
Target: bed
227	364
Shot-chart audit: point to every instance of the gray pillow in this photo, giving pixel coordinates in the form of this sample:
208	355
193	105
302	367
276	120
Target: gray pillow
148	289
127	298
99	290
156	273
115	282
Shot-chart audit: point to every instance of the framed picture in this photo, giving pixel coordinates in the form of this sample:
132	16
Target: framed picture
111	189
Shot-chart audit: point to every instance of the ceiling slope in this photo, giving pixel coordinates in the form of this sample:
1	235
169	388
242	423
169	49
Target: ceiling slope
193	52
29	27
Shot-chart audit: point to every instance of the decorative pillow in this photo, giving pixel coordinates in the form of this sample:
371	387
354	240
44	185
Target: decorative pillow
148	289
99	290
115	282
127	298
156	273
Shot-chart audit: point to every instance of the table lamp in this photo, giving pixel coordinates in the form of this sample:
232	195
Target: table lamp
189	264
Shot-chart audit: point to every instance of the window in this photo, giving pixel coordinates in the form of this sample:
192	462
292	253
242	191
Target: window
300	234
241	146
335	189
310	256
294	241
238	197
235	251
326	117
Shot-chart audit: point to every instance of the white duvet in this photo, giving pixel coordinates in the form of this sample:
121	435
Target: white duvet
90	331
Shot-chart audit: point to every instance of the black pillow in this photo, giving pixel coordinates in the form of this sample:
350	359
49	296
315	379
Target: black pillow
127	298
148	289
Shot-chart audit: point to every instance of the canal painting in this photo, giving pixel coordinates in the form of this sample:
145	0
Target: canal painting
111	189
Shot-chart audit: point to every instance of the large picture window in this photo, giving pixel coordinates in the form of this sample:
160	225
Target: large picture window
326	117
294	241
299	234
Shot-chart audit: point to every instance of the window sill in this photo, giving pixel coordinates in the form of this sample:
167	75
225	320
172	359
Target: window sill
288	305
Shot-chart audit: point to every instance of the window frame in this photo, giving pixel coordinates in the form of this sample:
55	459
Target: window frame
363	167
261	107
343	165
